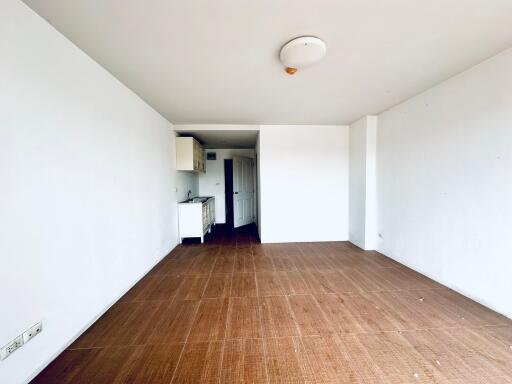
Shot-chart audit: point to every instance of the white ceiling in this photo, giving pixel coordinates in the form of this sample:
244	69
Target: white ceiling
205	61
222	138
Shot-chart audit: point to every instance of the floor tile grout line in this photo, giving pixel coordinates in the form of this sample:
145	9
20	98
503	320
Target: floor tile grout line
341	334
190	329
300	339
226	323
297	294
261	319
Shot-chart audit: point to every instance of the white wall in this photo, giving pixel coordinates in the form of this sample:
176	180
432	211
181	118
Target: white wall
304	183
258	185
186	181
212	182
362	204
357	187
88	200
445	182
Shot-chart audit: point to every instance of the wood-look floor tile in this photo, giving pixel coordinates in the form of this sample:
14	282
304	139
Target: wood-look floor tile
137	327
375	259
191	288
315	281
153	364
463	344
479	380
328	362
427	282
244	261
368	273
472	312
203	265
282	258
366	280
450	365
370	314
243	285
421	307
488	351
244	362
287	361
164	289
67	368
337	313
199	363
104	326
312	257
337	282
224	264
284	263
263	263
276	317
129	323
305	262
210	321
308	315
243	319
293	313
293	283
400	279
409	312
174	323
99	365
139	291
269	284
219	285
257	250
366	371
177	267
396	359
501	334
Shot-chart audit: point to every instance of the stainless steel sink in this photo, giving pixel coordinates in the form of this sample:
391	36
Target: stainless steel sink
198	199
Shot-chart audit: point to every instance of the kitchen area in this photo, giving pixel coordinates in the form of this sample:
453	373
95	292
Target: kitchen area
196	214
196	217
217	178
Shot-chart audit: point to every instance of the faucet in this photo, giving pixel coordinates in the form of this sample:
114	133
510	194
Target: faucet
188	194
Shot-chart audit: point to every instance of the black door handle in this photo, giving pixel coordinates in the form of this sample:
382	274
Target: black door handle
235	193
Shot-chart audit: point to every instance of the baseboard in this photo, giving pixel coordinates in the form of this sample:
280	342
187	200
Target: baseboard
89	324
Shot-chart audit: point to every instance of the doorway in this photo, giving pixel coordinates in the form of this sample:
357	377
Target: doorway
243	191
228	185
240	187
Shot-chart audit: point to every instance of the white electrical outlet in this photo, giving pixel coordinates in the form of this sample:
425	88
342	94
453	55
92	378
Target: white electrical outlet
11	347
32	332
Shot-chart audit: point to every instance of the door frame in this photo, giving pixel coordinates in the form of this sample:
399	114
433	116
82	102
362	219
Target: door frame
228	193
243	165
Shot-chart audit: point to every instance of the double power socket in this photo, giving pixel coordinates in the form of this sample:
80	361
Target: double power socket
18	342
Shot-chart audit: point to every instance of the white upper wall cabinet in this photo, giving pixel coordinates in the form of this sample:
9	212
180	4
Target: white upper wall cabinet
189	155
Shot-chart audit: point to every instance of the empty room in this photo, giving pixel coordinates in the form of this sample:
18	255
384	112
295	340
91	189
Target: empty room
255	191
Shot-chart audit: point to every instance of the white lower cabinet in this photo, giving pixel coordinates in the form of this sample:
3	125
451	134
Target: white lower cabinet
196	218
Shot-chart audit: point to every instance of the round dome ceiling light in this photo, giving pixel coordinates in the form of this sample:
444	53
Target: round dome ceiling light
302	52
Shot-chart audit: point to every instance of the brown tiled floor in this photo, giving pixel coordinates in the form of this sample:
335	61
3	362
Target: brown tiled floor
235	311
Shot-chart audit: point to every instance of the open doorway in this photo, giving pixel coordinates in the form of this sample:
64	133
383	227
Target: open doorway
243	191
228	182
240	187
230	160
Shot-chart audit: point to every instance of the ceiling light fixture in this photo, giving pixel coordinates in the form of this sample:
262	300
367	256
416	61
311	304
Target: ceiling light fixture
302	52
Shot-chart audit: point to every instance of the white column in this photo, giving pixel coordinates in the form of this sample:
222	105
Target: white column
362	199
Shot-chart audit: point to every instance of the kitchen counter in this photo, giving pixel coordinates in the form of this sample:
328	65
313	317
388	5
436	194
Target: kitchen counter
196	217
197	200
